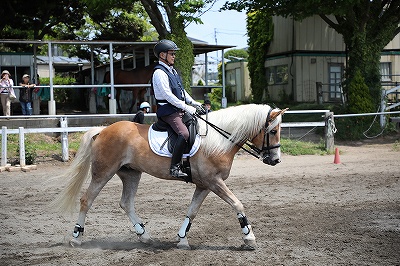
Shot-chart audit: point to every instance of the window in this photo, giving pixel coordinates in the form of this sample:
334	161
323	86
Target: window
335	78
386	71
277	75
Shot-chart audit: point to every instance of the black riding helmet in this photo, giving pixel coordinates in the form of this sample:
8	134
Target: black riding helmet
164	46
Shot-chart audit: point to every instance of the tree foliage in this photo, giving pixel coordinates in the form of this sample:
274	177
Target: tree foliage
367	27
179	14
37	19
236	54
260	31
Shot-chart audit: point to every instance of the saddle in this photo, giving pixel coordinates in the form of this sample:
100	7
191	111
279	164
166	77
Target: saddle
191	124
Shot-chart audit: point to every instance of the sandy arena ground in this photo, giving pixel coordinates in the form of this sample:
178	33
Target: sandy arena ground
304	211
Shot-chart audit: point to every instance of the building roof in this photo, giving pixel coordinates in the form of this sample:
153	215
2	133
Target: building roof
199	47
62	60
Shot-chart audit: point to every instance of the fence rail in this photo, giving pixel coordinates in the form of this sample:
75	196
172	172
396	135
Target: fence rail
64	130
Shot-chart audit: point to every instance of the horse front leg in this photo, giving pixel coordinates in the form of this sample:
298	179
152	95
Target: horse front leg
198	197
130	182
221	190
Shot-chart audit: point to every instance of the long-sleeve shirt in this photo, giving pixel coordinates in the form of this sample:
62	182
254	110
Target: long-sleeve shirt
162	90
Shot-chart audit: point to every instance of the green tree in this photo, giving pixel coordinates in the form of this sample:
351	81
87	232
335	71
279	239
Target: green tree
179	14
236	54
260	31
367	27
37	19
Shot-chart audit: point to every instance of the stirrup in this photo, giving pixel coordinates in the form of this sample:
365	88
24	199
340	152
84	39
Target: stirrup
176	172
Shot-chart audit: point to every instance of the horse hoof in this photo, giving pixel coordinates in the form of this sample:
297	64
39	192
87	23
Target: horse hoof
75	242
145	238
249	245
183	244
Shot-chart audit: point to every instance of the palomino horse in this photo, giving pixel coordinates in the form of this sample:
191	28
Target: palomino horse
135	76
123	149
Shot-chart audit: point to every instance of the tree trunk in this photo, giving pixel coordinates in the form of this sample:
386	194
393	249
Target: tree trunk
185	57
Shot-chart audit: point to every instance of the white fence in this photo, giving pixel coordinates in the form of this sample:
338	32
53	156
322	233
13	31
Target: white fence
64	130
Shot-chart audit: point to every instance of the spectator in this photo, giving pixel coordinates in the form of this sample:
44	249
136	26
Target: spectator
25	95
6	92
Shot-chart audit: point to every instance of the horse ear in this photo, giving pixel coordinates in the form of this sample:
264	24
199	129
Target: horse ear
275	114
283	111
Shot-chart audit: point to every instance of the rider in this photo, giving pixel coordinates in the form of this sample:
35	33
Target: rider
172	100
143	109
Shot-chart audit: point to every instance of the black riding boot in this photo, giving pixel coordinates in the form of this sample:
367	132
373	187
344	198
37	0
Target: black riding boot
175	169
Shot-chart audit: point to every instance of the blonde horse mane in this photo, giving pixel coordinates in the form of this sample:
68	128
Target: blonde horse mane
243	122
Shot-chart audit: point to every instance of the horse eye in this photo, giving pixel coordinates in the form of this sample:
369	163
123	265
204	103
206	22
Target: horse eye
273	132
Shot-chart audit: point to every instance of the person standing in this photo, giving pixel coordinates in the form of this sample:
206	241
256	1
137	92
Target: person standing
25	95
144	108
6	89
172	100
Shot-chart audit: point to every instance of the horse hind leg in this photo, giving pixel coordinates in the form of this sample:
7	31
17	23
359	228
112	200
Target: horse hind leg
95	186
130	181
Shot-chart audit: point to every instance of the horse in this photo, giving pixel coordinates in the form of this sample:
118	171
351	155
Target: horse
123	149
135	76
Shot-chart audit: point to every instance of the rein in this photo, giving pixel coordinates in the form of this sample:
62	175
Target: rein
256	152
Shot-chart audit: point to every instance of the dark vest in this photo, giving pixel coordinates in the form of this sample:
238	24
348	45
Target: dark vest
175	84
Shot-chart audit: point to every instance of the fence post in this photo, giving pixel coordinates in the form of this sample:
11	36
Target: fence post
330	131
21	146
382	118
64	139
3	146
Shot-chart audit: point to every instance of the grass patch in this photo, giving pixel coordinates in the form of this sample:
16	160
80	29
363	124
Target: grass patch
396	146
296	147
40	145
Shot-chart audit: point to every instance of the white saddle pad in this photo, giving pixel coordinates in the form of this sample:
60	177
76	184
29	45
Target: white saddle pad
157	139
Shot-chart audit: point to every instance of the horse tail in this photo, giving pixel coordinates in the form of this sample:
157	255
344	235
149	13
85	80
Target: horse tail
78	173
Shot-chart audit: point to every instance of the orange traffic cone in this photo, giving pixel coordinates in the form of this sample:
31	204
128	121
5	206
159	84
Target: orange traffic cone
337	157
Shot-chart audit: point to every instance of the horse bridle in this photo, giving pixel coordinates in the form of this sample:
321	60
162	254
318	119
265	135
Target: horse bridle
265	151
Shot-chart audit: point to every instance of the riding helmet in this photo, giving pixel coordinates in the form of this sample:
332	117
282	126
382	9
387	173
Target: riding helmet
164	46
144	105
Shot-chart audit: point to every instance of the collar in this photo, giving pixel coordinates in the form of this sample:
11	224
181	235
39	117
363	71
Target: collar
170	68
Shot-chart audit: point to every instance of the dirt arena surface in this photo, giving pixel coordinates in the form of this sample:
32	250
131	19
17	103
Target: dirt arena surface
304	211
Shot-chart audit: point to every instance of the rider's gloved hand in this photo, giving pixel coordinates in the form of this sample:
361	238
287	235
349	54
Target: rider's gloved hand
200	110
190	109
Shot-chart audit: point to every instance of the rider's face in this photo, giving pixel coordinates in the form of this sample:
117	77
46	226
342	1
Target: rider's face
170	57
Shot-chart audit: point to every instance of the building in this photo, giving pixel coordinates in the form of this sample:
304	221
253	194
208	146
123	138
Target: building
238	81
306	60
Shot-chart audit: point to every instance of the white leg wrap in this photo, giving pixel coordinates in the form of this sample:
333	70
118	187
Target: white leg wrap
184	228
77	231
246	228
139	228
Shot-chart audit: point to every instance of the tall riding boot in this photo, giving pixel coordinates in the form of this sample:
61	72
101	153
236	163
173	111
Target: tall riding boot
175	169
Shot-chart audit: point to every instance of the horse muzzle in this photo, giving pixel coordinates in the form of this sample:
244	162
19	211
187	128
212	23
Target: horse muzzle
268	160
